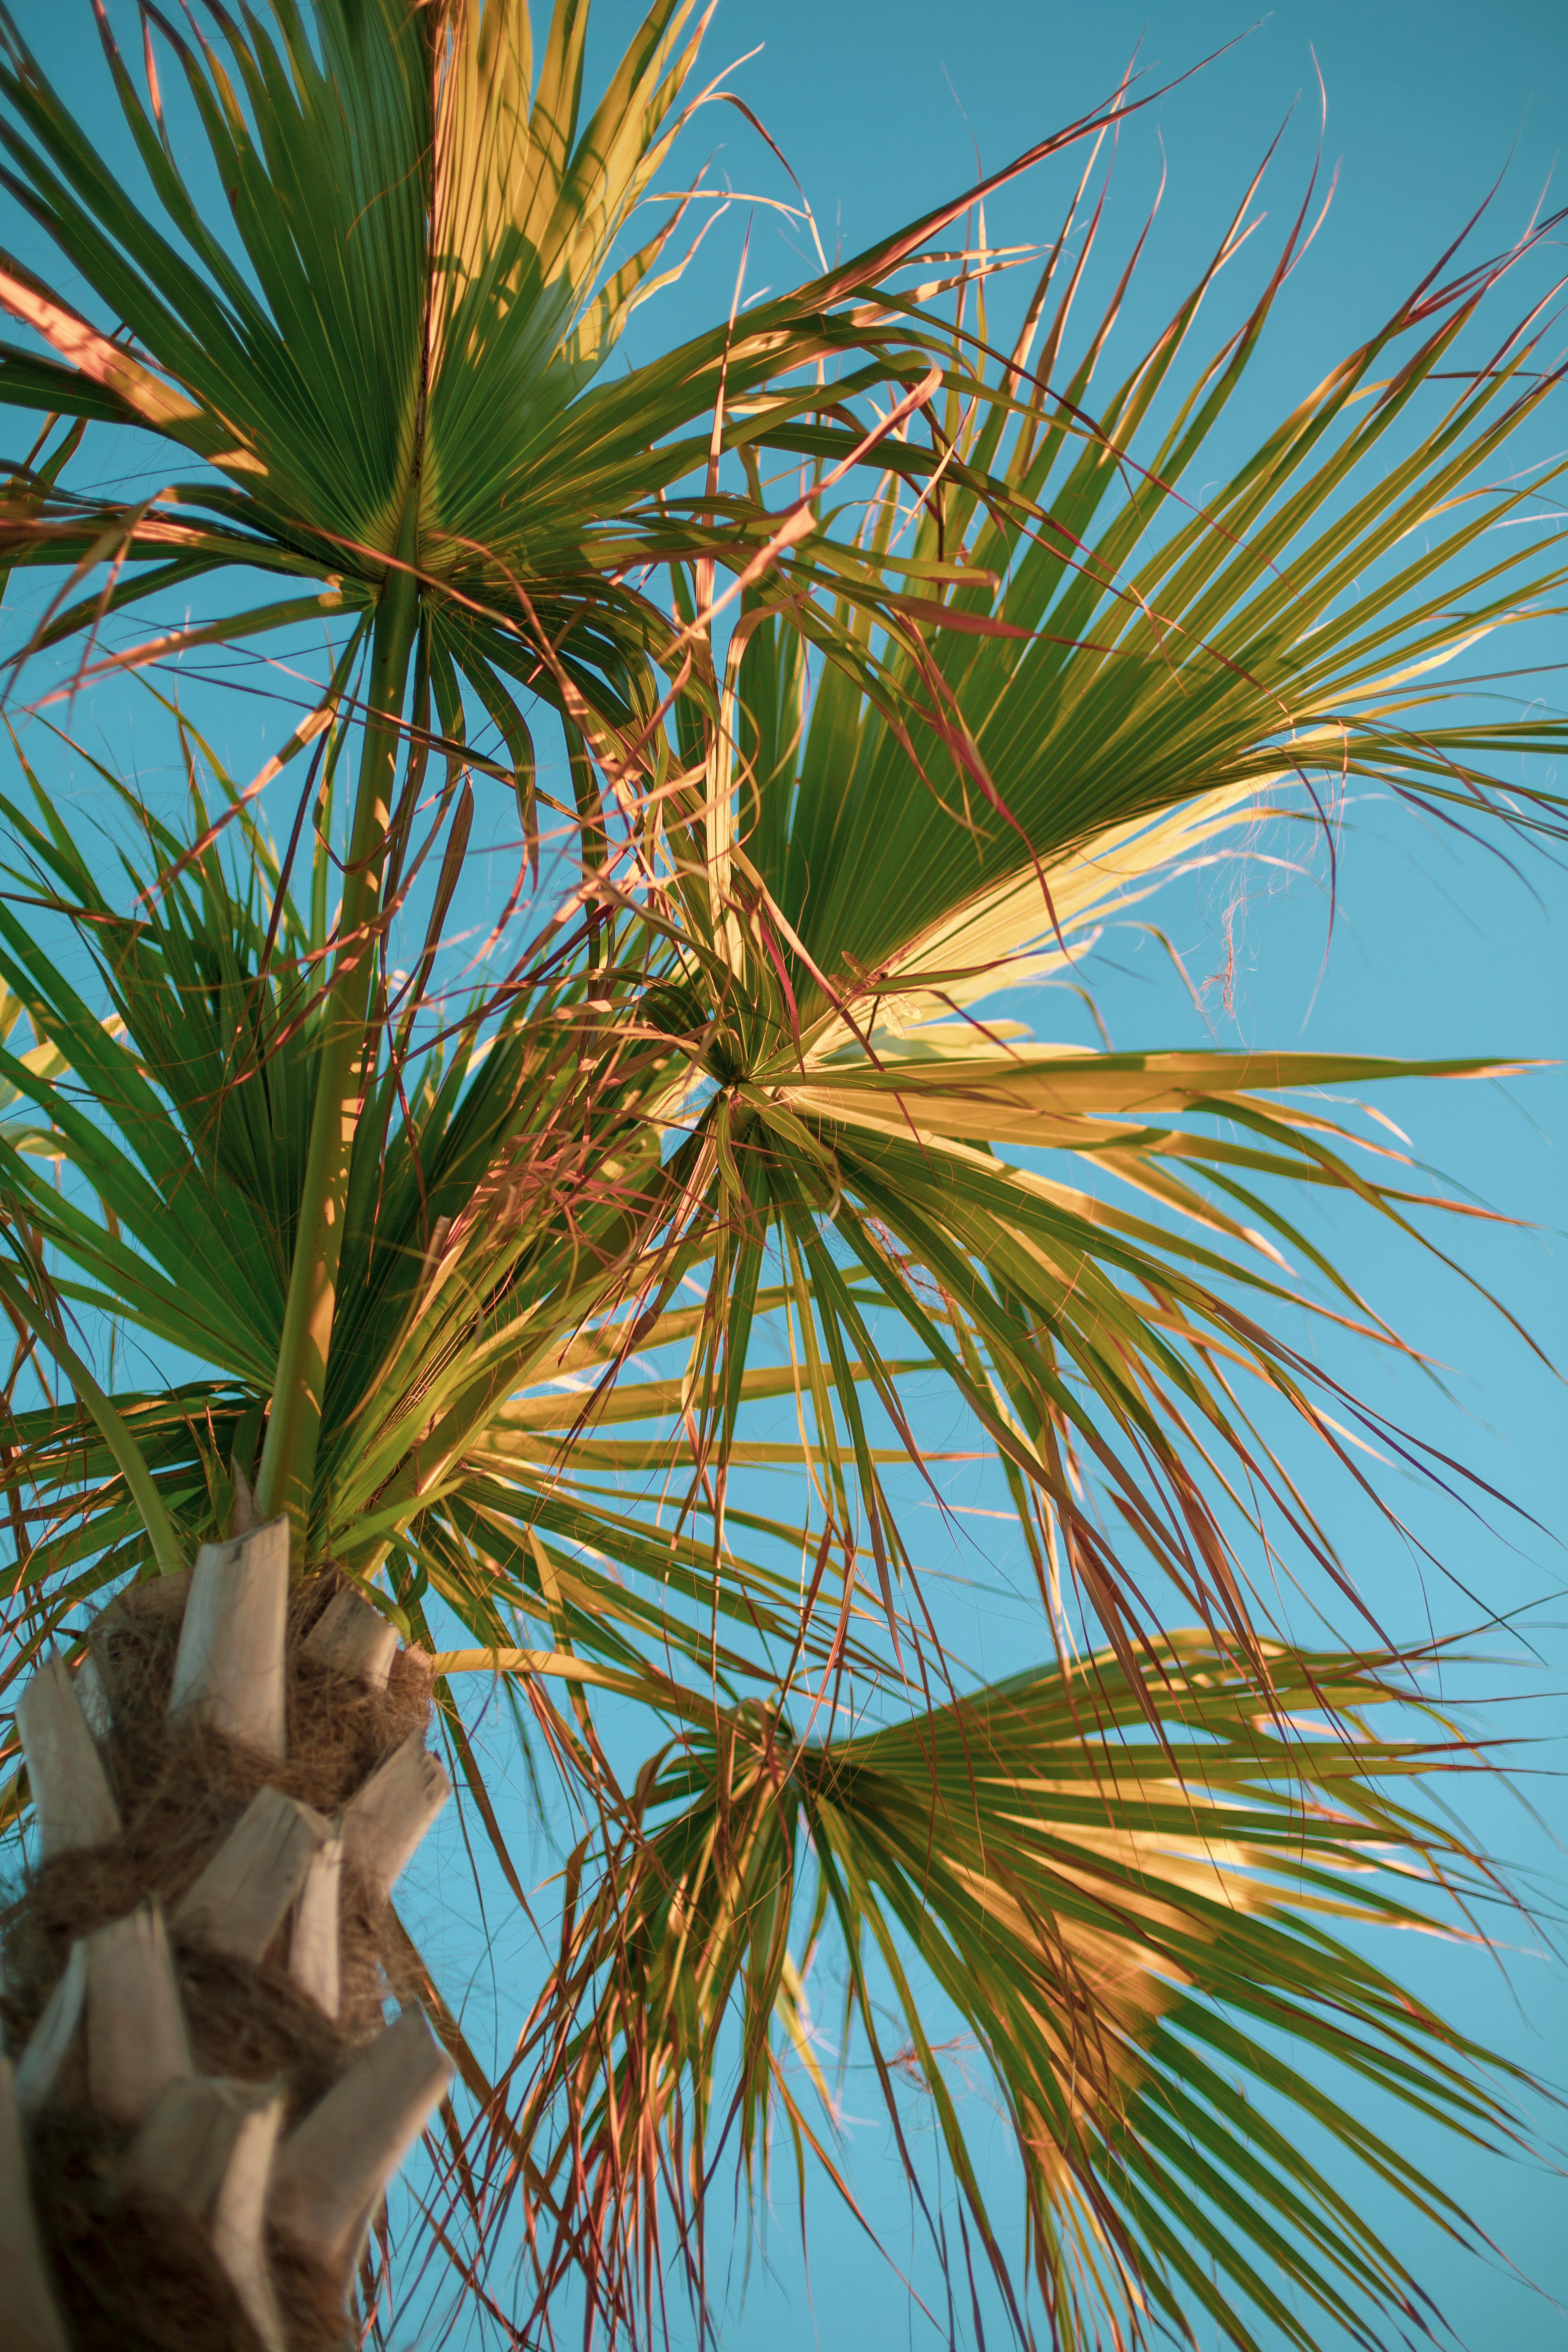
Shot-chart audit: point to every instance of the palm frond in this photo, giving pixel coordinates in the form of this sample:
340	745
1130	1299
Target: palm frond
397	364
1139	1932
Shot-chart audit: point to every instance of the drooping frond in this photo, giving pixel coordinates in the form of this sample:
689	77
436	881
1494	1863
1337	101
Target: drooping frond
1139	1935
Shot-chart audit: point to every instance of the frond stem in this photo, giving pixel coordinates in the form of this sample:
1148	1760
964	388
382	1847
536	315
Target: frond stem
286	1478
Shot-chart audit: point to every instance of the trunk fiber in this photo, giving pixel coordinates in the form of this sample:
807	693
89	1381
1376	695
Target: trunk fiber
201	2102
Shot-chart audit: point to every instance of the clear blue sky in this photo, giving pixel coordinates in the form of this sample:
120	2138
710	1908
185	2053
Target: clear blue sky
881	107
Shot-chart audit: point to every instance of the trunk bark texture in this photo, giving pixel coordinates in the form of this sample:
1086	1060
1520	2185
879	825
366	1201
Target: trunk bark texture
201	2102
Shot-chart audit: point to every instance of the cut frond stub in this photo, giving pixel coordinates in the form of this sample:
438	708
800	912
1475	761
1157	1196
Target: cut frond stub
228	1673
331	2171
354	1639
238	1902
71	1795
136	2039
207	2147
384	1821
33	2321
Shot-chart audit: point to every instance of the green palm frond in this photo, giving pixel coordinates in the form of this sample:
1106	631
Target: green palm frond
393	365
1117	646
418	295
1133	1929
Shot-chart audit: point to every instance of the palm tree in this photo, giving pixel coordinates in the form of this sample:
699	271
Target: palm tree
476	1300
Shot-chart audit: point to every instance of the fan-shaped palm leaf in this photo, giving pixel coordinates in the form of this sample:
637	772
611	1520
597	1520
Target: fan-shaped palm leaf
1126	1924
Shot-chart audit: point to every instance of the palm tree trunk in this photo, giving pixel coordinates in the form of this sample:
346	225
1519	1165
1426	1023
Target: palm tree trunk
203	2104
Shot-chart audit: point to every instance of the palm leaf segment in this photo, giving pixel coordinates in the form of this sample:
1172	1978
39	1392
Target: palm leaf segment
754	1072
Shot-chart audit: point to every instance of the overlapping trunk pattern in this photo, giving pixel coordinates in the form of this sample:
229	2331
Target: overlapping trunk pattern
200	2103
